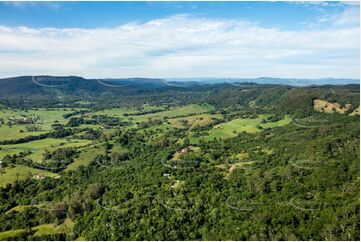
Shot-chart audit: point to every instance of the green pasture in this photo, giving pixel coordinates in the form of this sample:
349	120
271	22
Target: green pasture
46	119
86	156
19	172
38	147
194	120
47	229
8	235
119	112
232	128
16	131
43	229
19	208
154	132
175	112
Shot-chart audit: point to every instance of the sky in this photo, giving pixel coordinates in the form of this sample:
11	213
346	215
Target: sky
180	39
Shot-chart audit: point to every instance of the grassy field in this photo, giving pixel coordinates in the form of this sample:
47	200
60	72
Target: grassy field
52	116
46	229
16	132
19	208
194	120
119	112
155	132
232	128
38	147
176	112
43	229
7	235
114	112
134	118
229	168
241	156
56	144
235	165
86	156
46	119
19	172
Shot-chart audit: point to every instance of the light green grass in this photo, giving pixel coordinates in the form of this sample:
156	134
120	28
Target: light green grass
177	184
114	112
241	156
56	144
14	132
8	235
119	112
47	229
285	121
194	120
229	168
86	156
241	164
268	151
176	112
232	128
46	119
38	147
19	172
43	229
19	208
155	132
118	148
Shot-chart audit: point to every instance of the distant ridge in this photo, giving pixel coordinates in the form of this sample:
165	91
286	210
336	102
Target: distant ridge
272	80
75	85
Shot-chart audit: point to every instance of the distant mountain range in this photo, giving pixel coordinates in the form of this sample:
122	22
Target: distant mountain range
74	85
271	80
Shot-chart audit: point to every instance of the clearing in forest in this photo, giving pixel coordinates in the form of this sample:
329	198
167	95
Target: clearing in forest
19	172
232	128
38	147
194	120
327	107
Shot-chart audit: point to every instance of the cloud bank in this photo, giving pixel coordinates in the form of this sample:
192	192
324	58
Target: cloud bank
185	46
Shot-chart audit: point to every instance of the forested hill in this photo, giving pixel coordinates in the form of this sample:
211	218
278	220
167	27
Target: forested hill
71	85
74	85
43	91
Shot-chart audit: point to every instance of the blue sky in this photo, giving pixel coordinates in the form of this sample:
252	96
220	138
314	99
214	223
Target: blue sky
180	39
111	14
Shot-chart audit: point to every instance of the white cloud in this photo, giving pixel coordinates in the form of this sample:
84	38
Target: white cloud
183	46
350	16
348	13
